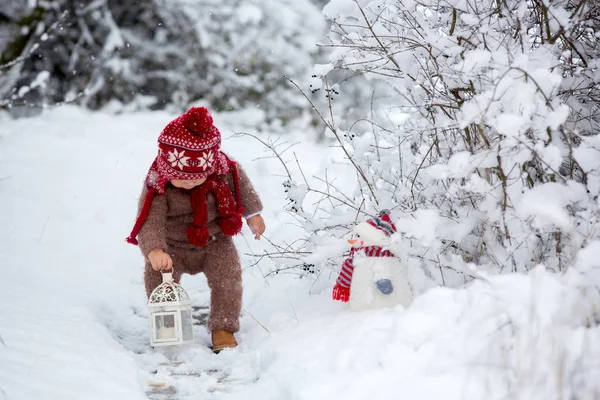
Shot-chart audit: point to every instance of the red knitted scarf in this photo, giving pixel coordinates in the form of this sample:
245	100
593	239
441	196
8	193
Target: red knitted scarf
229	209
341	290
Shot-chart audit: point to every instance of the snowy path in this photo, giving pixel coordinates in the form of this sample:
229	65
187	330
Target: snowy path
73	309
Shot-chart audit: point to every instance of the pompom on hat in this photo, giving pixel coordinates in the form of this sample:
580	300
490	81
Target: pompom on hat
189	148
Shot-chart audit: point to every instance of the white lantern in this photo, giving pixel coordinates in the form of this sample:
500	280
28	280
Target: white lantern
170	314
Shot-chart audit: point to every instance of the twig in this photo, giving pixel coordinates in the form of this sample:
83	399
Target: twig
43	229
272	147
419	168
35	46
333	130
441	271
255	320
294	311
301	172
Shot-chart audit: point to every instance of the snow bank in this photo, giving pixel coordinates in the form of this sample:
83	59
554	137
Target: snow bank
73	309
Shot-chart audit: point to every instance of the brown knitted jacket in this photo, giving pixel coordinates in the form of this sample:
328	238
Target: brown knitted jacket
171	213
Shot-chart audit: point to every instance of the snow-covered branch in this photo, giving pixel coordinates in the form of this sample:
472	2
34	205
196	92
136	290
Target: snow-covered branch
482	133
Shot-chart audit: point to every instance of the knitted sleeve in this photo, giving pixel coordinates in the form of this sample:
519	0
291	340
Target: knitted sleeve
153	234
250	199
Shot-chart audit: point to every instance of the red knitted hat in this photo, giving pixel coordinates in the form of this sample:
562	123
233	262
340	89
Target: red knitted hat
189	147
383	222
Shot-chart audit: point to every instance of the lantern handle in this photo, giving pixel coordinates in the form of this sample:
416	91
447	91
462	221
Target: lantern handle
168	276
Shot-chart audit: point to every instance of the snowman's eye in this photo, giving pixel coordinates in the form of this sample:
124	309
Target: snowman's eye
357	236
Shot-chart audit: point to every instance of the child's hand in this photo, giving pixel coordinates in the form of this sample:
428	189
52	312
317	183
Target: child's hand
256	225
160	260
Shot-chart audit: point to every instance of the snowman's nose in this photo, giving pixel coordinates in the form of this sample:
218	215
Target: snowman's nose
351	241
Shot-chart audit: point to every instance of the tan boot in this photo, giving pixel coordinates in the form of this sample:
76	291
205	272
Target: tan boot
222	339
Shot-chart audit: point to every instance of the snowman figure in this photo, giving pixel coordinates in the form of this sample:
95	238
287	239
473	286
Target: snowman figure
373	277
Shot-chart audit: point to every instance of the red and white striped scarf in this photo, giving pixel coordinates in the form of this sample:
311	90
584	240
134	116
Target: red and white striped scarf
341	290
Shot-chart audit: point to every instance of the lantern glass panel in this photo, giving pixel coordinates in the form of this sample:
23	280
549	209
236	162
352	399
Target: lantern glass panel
164	325
186	325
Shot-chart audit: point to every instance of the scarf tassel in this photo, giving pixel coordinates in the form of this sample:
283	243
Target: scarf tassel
341	293
231	225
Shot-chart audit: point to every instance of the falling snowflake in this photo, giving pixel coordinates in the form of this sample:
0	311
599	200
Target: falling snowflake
152	178
178	159
206	160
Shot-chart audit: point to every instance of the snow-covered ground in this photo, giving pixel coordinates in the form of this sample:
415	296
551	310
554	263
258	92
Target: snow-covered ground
72	314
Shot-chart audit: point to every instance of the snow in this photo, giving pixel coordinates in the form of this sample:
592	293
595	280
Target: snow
470	19
41	79
459	165
249	14
340	9
73	315
425	230
322	69
547	204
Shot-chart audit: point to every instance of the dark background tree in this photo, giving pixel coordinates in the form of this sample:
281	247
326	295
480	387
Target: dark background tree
155	54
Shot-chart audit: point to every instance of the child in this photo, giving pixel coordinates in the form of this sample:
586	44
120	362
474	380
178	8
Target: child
191	206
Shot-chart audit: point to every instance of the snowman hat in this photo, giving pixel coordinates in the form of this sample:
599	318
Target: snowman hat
380	226
383	222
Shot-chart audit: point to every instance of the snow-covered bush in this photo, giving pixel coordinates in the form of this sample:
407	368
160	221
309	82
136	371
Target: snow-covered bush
231	54
483	139
251	46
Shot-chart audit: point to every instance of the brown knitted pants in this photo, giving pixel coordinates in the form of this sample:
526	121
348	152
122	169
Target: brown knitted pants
220	263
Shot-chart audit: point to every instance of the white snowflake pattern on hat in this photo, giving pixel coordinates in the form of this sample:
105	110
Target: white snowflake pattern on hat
178	159
206	160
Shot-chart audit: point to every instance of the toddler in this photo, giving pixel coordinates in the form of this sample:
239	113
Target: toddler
192	204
